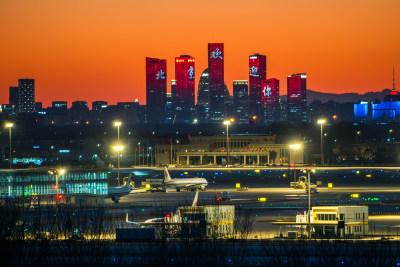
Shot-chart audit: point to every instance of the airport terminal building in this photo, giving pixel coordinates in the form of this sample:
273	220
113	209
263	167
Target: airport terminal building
244	150
76	185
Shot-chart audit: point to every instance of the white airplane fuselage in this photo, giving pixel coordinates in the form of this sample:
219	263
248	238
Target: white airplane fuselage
186	183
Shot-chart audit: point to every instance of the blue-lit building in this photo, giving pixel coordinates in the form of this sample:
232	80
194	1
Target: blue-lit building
377	111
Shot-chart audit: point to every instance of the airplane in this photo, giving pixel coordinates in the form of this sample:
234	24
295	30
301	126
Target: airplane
158	221
184	183
115	193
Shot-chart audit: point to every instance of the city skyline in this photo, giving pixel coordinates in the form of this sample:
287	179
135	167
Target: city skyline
97	52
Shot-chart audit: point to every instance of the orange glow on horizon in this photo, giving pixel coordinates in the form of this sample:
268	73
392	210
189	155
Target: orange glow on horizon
95	50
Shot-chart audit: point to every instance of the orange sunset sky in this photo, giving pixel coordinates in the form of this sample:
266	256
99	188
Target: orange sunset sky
95	49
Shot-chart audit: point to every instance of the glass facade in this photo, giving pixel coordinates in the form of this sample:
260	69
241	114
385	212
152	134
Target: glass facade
269	100
28	183
216	71
297	97
184	88
361	110
26	96
241	101
156	89
257	73
386	110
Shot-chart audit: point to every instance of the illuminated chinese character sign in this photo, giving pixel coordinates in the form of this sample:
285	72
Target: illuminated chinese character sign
296	86
257	73
270	92
185	82
216	68
156	88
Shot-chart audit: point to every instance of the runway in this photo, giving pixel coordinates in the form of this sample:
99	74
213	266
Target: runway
376	187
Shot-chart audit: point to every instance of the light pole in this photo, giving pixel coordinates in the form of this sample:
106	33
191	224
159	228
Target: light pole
9	125
139	153
309	170
321	122
227	123
357	135
56	173
117	124
293	148
171	153
118	149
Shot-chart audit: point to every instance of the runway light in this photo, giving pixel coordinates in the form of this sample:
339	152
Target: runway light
358	172
330	185
237	185
147	186
262	199
354	195
257	171
368	175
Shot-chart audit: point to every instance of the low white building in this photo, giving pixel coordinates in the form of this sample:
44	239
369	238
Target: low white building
335	221
213	221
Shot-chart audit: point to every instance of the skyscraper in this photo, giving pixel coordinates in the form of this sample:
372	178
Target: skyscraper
156	90
269	100
13	95
241	101
203	97
297	97
26	96
216	70
184	89
257	73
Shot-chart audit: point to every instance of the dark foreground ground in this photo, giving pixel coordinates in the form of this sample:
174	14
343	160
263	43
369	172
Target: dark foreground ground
191	252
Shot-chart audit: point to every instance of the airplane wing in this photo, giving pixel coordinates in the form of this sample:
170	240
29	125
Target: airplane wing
137	191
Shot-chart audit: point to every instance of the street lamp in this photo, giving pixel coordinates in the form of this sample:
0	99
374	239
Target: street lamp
118	149
321	122
9	125
117	124
56	173
357	134
227	123
293	148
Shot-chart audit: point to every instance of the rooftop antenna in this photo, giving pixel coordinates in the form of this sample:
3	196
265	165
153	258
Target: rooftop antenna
393	80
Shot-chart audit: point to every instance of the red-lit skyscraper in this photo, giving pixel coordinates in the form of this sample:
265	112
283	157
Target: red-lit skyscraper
257	73
184	89
216	70
297	97
269	100
156	90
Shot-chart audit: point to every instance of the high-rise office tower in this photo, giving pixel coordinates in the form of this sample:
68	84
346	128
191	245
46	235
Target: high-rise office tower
269	100
99	106
257	73
26	96
170	110
241	101
13	95
297	97
156	90
184	89
173	91
216	71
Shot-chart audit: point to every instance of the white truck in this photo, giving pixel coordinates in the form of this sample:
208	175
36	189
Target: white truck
302	183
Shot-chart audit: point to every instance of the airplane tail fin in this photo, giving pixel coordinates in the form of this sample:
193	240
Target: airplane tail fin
167	177
195	199
128	182
128	221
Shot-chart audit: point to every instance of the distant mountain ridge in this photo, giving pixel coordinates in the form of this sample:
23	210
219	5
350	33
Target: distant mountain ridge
346	97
